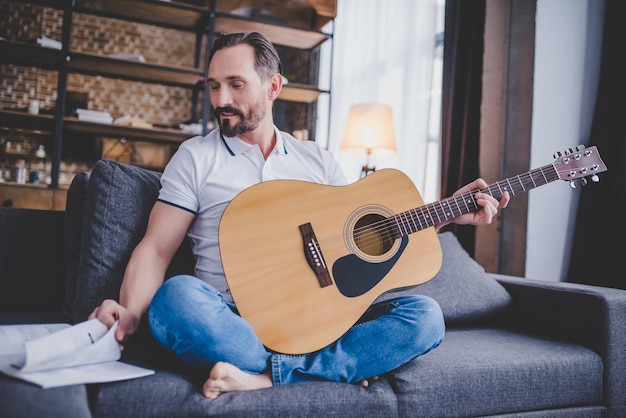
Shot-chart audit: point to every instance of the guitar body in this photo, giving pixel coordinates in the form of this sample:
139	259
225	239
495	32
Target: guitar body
304	261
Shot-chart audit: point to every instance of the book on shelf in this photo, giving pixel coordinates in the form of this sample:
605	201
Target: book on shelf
94	116
53	355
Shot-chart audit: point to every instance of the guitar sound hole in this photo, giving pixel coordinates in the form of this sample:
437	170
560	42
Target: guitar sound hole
372	236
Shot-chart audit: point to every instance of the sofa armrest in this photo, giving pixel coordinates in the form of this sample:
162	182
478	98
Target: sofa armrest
32	260
587	315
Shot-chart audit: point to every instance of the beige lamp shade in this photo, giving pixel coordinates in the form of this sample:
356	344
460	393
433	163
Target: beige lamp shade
369	129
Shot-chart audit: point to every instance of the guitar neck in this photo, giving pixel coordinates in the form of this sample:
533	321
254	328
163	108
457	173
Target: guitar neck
449	208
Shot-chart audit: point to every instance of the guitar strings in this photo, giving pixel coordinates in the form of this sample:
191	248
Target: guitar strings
393	226
407	222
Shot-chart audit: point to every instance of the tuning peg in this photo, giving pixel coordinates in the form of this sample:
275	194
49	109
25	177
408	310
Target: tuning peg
595	178
572	184
580	147
583	181
557	154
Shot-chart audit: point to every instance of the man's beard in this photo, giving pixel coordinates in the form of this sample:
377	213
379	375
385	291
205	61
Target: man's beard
247	122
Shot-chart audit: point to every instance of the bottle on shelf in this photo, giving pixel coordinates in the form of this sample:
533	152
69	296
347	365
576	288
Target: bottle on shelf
20	171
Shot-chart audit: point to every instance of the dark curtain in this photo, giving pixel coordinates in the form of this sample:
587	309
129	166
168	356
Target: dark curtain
599	246
461	98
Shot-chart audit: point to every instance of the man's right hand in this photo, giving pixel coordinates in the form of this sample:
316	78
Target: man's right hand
111	311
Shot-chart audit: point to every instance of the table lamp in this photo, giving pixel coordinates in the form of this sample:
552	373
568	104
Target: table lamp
369	130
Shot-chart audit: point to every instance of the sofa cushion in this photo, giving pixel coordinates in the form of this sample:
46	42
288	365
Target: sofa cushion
119	200
21	399
489	371
461	287
167	394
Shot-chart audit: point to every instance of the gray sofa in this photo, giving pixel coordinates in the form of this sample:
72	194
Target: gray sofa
513	347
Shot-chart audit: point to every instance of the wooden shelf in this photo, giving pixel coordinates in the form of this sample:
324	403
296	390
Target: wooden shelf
94	64
187	17
278	34
55	4
301	93
23	185
162	135
167	14
17	119
71	124
308	14
29	55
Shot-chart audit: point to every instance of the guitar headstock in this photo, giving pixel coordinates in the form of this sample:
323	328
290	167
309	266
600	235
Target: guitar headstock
579	164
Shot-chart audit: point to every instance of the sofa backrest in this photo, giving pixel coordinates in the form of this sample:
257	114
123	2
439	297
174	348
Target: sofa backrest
461	287
114	202
32	263
107	212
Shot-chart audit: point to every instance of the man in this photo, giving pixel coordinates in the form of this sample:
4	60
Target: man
195	317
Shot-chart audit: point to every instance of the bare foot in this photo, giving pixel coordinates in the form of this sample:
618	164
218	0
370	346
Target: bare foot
225	377
367	382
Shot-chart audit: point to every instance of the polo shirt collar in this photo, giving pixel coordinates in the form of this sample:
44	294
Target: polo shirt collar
236	146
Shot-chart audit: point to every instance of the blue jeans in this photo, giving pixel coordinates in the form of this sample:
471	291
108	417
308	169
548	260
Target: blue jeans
191	319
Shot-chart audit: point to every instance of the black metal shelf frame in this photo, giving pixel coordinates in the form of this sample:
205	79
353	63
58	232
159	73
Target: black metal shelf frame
201	20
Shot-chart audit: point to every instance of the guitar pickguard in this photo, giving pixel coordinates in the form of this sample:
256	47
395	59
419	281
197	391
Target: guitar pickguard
355	276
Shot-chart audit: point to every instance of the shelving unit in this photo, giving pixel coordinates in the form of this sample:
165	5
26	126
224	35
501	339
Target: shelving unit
202	18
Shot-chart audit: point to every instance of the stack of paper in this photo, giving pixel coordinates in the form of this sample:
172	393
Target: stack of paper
94	116
52	355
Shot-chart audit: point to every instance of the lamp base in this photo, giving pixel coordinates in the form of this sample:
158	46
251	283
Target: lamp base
366	169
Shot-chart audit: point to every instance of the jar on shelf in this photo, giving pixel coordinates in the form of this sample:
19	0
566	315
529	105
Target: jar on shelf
41	152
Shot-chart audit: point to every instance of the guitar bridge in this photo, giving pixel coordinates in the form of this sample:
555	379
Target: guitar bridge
313	255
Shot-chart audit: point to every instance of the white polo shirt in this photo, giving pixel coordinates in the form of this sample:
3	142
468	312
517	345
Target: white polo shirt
206	173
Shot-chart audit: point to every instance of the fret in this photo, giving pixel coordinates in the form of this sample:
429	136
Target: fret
544	176
531	179
429	209
523	181
400	224
433	207
395	218
427	218
457	205
412	219
466	205
505	188
500	189
511	187
472	200
520	182
419	220
443	204
528	180
452	208
405	223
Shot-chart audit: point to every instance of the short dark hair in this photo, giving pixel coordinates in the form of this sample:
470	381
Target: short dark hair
267	62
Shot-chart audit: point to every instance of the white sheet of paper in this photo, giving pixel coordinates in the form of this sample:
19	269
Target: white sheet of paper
111	371
52	355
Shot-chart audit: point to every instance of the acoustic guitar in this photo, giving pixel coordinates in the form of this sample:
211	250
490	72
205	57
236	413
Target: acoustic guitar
304	261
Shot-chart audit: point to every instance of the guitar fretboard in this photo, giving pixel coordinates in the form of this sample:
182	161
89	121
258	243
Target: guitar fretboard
449	208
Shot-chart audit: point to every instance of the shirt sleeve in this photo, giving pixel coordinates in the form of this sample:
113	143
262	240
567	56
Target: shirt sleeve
334	172
178	181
